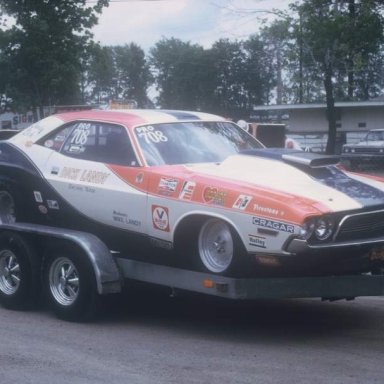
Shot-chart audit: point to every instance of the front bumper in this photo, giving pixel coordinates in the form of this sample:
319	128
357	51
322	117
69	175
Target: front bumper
299	246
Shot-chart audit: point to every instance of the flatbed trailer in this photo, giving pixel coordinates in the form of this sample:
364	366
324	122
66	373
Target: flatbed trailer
73	269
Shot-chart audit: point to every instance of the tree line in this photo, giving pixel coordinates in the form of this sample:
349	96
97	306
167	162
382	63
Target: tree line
317	51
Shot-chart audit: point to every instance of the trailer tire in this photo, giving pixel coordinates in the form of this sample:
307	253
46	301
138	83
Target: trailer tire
19	272
70	284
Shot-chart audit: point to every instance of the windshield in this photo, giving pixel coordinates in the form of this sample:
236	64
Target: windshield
375	136
192	142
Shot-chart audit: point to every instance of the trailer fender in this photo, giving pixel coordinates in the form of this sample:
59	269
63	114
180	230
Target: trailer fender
107	274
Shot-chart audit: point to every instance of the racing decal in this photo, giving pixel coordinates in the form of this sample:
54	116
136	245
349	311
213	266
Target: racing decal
70	173
151	135
55	170
213	195
53	204
123	218
187	190
43	209
38	197
94	177
271	224
139	178
160	218
242	202
266	210
167	186
257	241
89	176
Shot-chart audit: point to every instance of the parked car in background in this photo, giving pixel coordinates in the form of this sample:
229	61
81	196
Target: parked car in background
369	150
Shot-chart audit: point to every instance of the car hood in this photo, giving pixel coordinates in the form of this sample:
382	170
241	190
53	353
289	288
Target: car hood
327	185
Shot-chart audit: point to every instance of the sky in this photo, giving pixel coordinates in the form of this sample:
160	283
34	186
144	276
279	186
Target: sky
201	22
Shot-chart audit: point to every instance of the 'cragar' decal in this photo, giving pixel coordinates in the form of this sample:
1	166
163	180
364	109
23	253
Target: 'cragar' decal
160	218
276	225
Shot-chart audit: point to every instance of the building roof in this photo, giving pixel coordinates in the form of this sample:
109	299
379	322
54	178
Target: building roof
379	102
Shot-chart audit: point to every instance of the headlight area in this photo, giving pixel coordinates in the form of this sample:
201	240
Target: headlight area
318	230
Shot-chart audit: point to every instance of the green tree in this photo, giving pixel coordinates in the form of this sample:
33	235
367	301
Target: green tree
100	74
133	74
180	70
41	53
339	36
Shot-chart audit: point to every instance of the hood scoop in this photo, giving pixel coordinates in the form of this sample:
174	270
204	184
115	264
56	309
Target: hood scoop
293	157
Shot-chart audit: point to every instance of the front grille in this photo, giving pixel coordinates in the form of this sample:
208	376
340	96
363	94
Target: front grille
361	226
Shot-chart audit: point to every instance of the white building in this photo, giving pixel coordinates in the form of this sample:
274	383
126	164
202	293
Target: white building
309	121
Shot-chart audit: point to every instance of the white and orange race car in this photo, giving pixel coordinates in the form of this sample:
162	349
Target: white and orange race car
195	191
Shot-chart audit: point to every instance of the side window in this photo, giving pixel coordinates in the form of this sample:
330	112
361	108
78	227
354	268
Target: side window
101	142
56	140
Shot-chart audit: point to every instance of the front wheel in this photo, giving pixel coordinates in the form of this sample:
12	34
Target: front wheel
219	247
70	285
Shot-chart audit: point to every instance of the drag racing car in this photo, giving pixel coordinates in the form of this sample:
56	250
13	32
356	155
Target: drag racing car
191	190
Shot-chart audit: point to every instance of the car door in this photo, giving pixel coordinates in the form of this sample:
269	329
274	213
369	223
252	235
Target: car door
81	170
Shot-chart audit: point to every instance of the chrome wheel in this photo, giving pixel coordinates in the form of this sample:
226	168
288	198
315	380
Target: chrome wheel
64	281
215	245
9	272
7	208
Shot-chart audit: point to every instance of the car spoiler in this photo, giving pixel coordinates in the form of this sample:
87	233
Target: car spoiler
294	157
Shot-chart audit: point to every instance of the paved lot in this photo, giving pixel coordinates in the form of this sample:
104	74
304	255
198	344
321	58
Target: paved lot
151	338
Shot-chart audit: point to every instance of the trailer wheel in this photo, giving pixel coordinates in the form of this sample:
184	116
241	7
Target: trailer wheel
220	248
70	285
19	272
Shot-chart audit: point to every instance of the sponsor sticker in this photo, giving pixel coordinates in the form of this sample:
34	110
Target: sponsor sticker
139	178
55	170
267	210
43	209
167	185
38	197
242	202
53	204
271	224
213	195
187	190
160	218
257	241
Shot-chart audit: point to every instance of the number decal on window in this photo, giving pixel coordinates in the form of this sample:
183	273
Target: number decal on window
81	133
150	135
